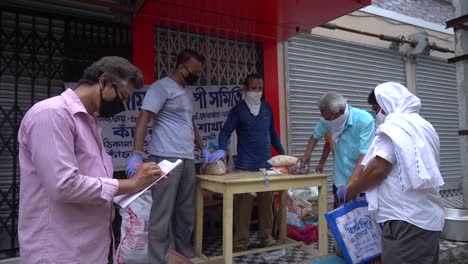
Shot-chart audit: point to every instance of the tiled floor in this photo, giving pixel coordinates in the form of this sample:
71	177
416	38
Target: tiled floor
212	246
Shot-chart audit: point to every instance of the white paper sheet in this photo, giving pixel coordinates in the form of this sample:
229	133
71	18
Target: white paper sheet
166	167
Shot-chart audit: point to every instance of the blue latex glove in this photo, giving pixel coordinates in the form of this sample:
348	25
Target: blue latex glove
134	164
206	154
217	155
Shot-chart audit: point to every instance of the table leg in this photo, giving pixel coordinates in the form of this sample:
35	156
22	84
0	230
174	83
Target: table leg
199	222
227	226
323	227
282	217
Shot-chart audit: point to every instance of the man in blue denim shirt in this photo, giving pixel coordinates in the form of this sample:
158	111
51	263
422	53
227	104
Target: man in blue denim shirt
252	119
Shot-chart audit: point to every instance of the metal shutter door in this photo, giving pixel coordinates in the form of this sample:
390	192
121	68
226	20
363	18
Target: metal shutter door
436	86
316	65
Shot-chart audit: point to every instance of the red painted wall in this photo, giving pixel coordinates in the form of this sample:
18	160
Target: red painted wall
270	66
143	48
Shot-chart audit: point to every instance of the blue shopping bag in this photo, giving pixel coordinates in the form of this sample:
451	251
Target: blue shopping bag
356	231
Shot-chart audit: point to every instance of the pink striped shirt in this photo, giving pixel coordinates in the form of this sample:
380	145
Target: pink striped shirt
65	209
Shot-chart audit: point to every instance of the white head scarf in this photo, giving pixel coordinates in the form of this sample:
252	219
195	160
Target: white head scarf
415	140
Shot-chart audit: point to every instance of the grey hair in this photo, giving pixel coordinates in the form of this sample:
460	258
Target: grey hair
119	70
333	102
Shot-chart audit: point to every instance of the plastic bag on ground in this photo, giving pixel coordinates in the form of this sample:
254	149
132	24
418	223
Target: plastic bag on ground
133	247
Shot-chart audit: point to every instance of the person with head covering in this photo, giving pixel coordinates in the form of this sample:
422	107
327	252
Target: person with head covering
401	177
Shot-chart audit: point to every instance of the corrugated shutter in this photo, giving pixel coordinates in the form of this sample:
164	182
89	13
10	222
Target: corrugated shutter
316	65
436	86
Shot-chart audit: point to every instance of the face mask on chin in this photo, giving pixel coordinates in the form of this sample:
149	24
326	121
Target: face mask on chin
111	108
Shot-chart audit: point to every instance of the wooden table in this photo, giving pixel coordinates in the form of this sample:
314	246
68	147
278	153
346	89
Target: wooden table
247	182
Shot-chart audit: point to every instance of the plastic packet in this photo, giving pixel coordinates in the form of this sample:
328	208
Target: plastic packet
216	168
274	255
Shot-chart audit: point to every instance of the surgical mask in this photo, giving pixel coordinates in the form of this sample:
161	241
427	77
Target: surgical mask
191	78
253	97
380	118
111	108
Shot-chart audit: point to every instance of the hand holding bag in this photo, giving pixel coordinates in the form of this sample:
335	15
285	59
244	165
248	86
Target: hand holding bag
355	230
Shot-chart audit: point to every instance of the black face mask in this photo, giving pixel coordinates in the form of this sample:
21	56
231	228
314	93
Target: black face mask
108	109
191	78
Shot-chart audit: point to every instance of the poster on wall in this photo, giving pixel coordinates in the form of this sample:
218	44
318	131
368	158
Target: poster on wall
211	107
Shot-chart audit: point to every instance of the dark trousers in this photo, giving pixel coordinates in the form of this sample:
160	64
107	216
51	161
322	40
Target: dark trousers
404	243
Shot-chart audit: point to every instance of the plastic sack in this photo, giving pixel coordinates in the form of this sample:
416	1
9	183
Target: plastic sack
281	169
216	168
304	196
308	234
282	161
133	247
356	231
299	169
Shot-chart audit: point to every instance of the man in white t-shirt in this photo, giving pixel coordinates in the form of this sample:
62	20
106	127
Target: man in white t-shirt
401	177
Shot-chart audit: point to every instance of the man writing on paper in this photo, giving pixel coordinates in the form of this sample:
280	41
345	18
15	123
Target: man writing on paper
169	105
65	209
252	119
401	178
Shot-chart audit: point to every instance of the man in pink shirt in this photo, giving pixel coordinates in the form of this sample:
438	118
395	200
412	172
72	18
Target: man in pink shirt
66	209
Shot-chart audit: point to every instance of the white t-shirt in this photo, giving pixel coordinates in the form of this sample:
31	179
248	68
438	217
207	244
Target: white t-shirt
422	208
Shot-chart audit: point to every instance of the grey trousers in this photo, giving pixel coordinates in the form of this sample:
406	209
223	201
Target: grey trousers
404	243
172	213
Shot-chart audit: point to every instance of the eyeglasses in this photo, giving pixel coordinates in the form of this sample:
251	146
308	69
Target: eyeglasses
185	67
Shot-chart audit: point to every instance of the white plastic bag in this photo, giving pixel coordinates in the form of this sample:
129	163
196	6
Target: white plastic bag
283	161
133	247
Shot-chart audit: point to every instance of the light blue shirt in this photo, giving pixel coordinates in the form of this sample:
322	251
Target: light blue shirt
172	105
355	140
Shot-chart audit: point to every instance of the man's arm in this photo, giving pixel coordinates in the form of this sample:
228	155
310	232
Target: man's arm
229	126
323	159
198	141
373	175
358	168
141	129
305	159
57	166
275	140
320	130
